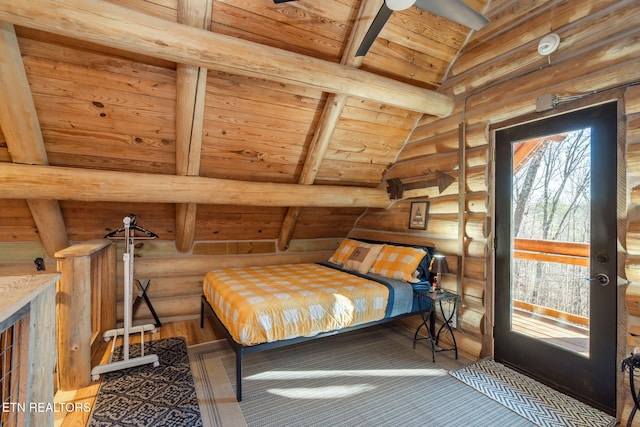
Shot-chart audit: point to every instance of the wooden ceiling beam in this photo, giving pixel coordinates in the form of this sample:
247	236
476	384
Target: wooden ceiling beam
21	128
329	119
92	185
191	87
118	27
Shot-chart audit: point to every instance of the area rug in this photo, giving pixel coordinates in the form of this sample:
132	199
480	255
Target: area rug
367	377
537	402
148	396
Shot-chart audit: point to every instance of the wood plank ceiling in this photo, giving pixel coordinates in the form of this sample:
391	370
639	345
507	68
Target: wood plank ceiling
103	104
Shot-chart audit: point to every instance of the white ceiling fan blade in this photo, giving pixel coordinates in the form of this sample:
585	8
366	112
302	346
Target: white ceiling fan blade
454	10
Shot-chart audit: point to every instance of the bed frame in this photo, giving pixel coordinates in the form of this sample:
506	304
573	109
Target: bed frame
241	350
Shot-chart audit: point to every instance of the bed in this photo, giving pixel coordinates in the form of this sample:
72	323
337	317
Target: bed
364	283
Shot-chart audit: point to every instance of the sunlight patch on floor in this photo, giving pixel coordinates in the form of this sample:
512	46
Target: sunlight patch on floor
331	392
289	375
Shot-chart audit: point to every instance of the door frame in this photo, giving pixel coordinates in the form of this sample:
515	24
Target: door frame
619	281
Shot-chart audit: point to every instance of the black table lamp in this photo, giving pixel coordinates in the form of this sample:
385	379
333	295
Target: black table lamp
438	266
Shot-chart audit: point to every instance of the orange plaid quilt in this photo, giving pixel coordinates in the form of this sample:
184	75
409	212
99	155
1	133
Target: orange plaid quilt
277	302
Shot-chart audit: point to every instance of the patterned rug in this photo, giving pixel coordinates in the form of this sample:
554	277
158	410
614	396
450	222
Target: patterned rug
148	396
537	402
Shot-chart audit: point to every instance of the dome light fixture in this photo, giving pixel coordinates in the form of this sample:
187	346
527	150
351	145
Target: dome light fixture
399	4
548	44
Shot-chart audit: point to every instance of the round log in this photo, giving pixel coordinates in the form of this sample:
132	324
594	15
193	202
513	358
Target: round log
200	265
473	288
49	182
476	135
472	321
633	237
632	269
477	202
468	345
478	228
446	142
632	299
475	268
477	249
477	156
477	179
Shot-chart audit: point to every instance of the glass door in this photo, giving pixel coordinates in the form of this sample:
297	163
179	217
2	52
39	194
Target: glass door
556	252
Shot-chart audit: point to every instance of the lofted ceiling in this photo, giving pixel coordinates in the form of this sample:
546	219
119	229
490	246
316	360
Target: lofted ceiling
104	106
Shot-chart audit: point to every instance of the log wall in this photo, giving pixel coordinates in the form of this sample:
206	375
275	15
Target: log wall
631	307
497	78
176	277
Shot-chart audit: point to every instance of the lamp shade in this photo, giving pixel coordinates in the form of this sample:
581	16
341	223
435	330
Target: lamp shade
439	264
399	4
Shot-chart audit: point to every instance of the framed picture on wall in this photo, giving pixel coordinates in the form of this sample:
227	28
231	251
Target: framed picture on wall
419	215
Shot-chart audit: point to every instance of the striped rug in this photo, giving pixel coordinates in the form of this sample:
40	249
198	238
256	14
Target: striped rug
537	402
216	398
367	377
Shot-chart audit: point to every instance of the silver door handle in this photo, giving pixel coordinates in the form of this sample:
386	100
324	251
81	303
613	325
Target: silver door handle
601	278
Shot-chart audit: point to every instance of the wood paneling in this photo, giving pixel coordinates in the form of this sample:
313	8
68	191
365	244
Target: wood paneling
16	224
320	31
238	223
102	107
24	136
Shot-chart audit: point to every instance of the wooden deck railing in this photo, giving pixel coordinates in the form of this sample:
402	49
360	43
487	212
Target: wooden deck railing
552	313
552	251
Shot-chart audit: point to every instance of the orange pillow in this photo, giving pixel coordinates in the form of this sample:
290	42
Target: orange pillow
362	257
344	251
398	262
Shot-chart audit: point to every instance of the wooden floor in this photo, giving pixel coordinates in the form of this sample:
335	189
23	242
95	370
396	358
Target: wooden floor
189	329
571	337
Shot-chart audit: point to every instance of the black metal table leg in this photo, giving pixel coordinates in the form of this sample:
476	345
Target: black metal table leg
631	363
427	316
447	323
435	297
